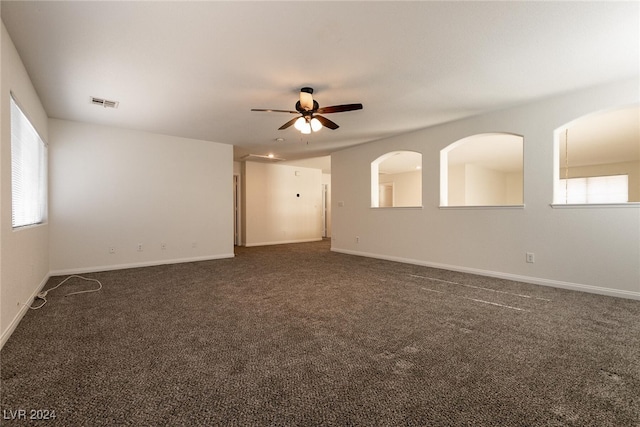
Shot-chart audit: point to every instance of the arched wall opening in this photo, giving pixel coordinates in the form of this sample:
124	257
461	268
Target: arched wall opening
396	180
483	170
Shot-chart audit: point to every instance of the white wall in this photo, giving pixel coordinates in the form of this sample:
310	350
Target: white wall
594	249
456	185
117	188
24	253
475	185
407	187
281	206
514	186
237	168
484	186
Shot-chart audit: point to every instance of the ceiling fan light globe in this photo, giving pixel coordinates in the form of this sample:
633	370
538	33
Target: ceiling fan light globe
300	124
315	125
306	129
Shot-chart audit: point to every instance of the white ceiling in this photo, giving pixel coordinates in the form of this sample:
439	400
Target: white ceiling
195	69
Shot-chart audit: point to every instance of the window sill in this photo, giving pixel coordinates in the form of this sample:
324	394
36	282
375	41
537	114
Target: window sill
396	207
594	205
29	226
483	207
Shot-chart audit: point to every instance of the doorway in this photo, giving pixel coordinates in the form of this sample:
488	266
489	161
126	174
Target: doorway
386	195
325	210
236	210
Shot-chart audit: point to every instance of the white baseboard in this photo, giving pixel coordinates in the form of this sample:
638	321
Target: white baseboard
284	242
500	275
23	310
94	269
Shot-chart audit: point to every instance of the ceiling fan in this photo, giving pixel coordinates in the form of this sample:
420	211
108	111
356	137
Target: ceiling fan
309	110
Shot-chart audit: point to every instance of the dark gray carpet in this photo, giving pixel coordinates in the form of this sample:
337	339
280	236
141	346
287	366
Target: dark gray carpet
298	335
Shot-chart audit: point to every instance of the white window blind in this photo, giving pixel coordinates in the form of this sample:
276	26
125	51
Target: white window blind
595	189
28	171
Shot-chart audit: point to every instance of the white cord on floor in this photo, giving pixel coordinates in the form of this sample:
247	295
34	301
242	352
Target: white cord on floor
43	295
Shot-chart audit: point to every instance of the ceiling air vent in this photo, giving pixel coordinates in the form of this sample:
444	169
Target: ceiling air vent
104	102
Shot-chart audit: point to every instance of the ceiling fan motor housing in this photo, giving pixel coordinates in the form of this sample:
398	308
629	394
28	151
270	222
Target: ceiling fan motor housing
305	111
306	103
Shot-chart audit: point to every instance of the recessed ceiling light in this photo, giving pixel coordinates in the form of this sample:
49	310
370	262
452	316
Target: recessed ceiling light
279	139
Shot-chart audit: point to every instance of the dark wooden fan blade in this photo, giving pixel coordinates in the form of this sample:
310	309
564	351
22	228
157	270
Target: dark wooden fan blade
289	123
326	122
339	108
269	110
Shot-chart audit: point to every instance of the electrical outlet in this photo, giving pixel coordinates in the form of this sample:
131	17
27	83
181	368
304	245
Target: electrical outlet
139	247
357	239
163	246
112	250
531	257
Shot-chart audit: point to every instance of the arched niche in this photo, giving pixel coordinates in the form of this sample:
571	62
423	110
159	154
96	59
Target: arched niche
396	180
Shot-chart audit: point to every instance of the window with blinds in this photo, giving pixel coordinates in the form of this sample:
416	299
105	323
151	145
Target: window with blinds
28	171
595	189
